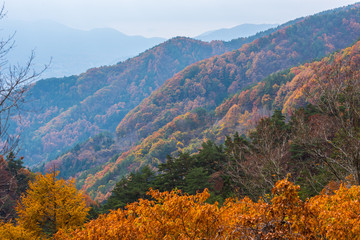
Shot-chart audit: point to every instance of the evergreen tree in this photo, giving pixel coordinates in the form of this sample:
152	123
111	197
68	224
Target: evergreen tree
211	157
196	180
130	189
172	173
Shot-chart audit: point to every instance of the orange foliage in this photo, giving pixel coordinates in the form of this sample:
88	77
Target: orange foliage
336	216
173	215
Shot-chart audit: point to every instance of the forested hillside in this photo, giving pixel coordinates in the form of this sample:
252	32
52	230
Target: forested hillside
181	111
63	111
208	83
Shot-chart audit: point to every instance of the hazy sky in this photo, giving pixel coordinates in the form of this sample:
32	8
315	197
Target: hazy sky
165	18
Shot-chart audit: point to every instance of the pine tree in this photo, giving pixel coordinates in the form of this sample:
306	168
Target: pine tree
130	189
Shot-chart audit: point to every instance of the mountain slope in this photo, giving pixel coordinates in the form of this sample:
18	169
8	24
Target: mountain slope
207	83
64	111
287	90
67	110
161	123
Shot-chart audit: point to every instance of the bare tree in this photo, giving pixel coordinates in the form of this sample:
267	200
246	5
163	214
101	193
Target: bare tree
334	138
14	81
256	165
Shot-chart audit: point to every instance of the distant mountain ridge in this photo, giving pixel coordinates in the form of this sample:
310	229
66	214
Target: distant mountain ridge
72	51
227	34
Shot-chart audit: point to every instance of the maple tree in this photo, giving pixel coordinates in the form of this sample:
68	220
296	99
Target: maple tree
336	215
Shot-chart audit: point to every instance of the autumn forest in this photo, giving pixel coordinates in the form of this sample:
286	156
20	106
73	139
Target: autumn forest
253	138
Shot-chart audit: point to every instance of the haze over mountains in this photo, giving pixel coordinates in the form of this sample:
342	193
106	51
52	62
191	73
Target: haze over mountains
70	50
179	115
73	51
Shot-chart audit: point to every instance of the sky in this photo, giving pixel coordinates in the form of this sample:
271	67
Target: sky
165	18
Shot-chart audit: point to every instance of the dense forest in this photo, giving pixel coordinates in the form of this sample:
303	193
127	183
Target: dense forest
65	111
186	109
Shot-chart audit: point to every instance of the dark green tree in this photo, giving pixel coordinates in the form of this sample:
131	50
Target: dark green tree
14	165
130	189
172	173
196	180
211	157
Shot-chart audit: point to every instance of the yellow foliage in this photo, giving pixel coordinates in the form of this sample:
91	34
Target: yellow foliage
50	204
10	232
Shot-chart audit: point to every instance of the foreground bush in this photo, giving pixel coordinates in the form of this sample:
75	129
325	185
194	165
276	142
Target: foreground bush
173	215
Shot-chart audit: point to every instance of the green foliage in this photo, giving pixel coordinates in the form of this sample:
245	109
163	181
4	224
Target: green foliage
191	71
190	173
14	165
17	169
131	188
173	171
211	157
196	180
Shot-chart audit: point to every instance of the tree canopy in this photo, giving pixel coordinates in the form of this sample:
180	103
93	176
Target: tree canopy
51	204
